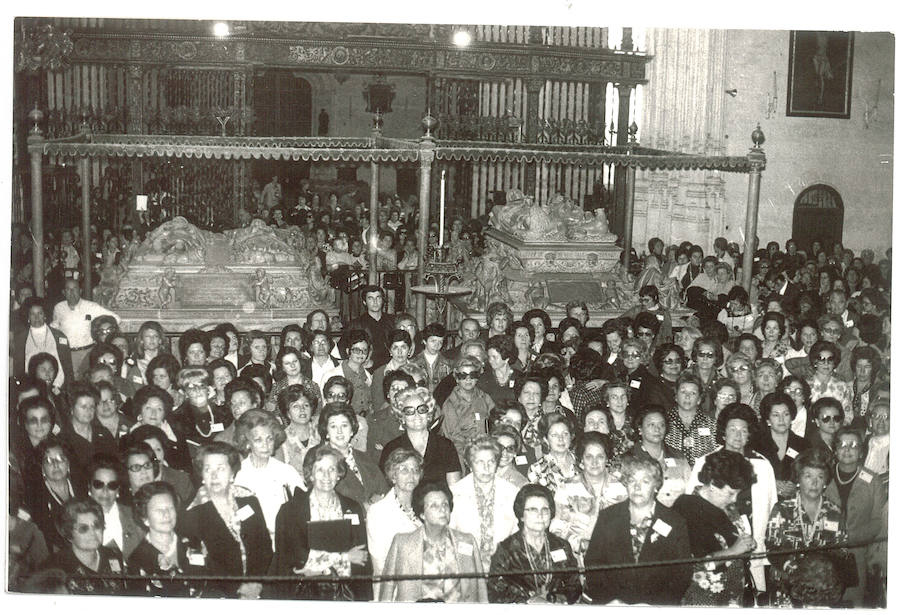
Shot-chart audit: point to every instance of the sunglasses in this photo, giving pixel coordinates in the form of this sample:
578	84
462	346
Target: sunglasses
828	359
137	467
672	361
706	355
112	485
631	355
511	449
411	410
467	375
84	528
831	418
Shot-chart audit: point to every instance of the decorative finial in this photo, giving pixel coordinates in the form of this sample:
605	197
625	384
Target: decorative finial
35	115
758	137
632	131
377	121
429	123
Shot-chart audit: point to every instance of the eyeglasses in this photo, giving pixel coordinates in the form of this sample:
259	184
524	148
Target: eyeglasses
831	418
56	461
467	375
411	410
831	330
137	467
851	444
511	449
193	388
726	395
112	485
828	359
672	361
740	368
631	355
544	512
336	396
794	392
706	355
84	528
359	351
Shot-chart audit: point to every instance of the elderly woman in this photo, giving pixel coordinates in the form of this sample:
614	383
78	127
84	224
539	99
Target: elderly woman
865	363
778	443
534	548
152	405
823	357
579	500
651	424
725	391
440	458
809	519
229	521
257	435
293	369
707	357
393	514
861	496
364	482
510	441
359	348
798	390
716	529
736	427
433	549
90	567
310	524
639	529
322	362
58	486
466	409
161	553
83	433
768	374
297	406
558	464
879	439
740	368
385	422
120	533
482	499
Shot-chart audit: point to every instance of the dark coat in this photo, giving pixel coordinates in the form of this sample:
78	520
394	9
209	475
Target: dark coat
20	336
783	467
564	587
144	561
611	544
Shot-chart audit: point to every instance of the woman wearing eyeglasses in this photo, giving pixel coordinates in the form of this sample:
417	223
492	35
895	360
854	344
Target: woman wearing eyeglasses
510	441
292	368
466	409
440	458
824	357
706	359
352	368
798	390
121	532
740	369
533	548
828	417
45	503
669	361
725	391
633	355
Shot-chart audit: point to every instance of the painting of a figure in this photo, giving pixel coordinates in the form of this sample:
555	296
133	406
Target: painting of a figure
820	73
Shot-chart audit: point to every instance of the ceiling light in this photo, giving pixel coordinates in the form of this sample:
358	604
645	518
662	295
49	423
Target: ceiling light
221	29
462	38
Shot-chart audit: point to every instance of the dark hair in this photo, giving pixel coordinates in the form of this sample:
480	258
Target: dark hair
749	337
224	329
865	353
814	457
338	381
282	353
711	342
139	447
304	335
777	318
255	370
423	489
501	408
434	329
147	432
615	325
71	509
647	321
649	291
293	393
644	411
594	437
826	402
39	358
504	429
309	318
505	346
104	319
251	387
354	336
102	348
78	390
148	392
217	448
737	411
585	364
569	322
496	308
537	313
315	455
552	418
664	349
790	379
726	468
393	376
142	498
821	345
532	377
166	362
777	398
399	335
715	330
522	324
689	378
189	338
220	363
31	403
336	408
532	491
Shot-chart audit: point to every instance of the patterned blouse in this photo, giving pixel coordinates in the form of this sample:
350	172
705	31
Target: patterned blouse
639	532
694	440
547	472
837	388
440	558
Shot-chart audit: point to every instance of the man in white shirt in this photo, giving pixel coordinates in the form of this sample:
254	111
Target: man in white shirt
73	317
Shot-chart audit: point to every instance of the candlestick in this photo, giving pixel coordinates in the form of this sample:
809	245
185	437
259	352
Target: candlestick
443	188
775	84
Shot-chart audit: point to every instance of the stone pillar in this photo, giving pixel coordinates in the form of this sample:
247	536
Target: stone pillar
426	159
373	224
134	117
532	119
37	209
757	163
628	221
618	221
84	170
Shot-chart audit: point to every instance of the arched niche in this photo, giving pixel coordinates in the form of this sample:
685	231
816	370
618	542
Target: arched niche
818	214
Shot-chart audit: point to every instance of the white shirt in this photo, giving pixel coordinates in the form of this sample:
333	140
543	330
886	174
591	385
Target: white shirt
42	340
384	520
112	530
272	486
75	322
321	373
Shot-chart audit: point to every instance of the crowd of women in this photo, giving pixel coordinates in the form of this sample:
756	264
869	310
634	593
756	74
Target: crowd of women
573	464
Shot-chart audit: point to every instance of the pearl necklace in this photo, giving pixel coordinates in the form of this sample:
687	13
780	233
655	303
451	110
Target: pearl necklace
837	476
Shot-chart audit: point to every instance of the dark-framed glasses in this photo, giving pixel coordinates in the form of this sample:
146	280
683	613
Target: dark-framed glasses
411	410
112	485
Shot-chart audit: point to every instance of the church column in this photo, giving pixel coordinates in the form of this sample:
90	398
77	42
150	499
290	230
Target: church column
134	117
757	160
619	216
426	158
35	139
84	170
628	226
373	223
533	92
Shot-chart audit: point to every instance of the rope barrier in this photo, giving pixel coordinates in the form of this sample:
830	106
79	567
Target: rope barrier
488	575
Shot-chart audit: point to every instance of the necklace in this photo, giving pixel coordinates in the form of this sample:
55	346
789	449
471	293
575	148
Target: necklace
211	421
837	477
541	581
34	340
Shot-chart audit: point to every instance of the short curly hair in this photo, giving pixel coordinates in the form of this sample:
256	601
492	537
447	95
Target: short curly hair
777	398
664	349
727	468
550	419
82	505
481	442
293	393
317	454
423	489
505	346
151	391
594	437
505	429
249	421
147	492
630	464
815	457
535	377
332	409
418	396
217	448
532	490
397	456
737	411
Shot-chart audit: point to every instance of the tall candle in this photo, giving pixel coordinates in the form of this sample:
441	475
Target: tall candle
443	188
775	84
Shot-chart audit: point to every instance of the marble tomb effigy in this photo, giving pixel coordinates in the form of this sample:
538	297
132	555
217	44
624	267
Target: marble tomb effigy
183	277
546	255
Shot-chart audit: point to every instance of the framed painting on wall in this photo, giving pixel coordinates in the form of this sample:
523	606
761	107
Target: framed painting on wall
820	73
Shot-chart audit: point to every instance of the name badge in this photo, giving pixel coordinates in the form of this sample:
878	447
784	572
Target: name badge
216	427
791	453
659	317
137	379
670	462
703	431
354	518
610	359
114	565
63	341
831	526
196	559
512	383
635	384
661	527
521	460
465	548
558	555
244	513
23	515
865	477
477	416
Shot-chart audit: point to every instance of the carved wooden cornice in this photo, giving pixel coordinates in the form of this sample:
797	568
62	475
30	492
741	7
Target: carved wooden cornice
491	61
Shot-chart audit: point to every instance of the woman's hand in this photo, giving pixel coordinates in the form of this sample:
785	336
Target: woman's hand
249	591
595	385
744	544
785	488
538	599
358	555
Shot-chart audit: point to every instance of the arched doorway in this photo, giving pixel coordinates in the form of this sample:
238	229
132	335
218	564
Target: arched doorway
818	214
